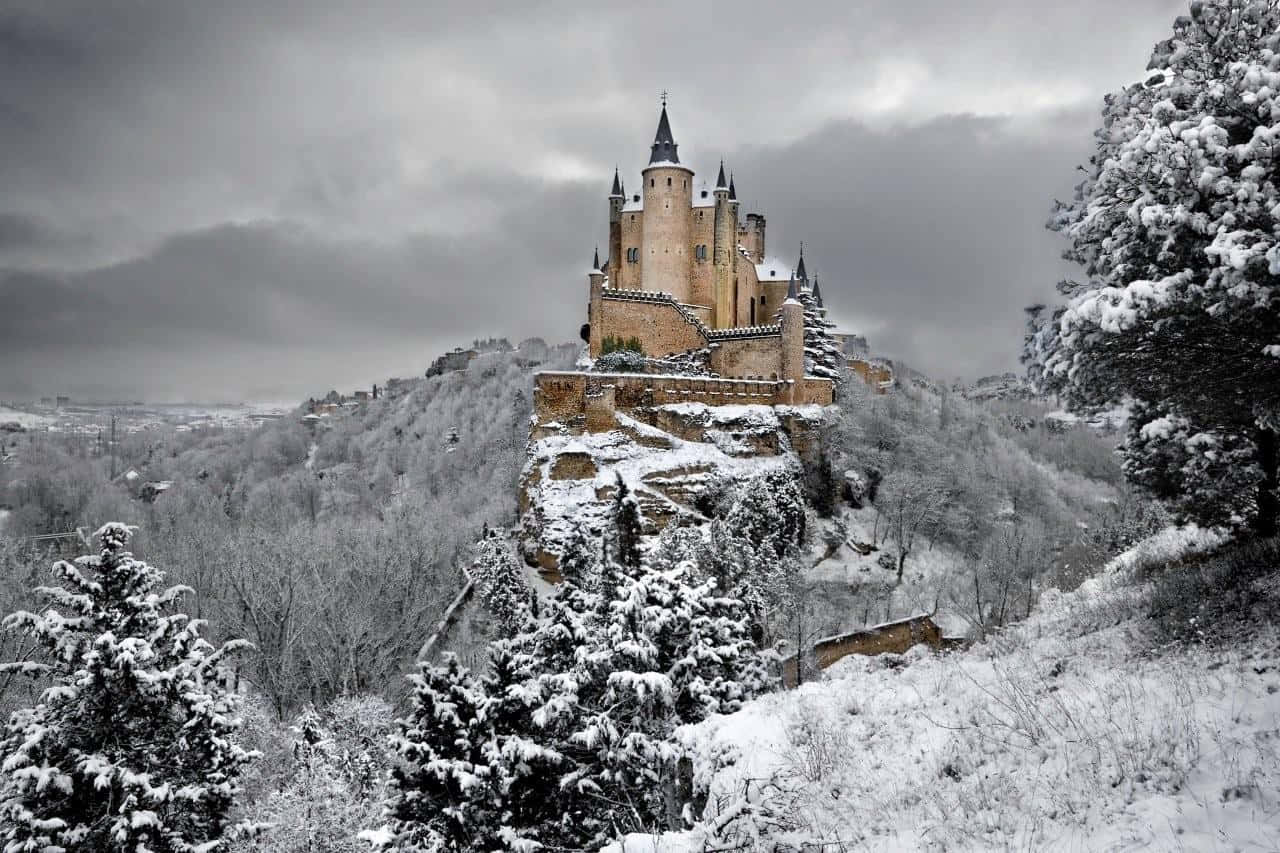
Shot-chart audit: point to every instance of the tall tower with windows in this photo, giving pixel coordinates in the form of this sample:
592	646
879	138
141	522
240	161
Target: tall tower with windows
668	194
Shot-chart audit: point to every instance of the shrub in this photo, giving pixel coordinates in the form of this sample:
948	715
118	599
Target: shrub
1208	597
613	344
621	361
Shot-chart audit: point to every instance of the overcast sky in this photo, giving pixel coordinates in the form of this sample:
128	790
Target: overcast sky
265	200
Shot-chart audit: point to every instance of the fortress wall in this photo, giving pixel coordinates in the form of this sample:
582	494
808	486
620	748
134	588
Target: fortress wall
662	328
743	357
563	397
814	391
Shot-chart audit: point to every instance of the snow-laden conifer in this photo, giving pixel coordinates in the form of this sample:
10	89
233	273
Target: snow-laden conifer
822	355
445	787
627	528
1177	230
132	744
500	582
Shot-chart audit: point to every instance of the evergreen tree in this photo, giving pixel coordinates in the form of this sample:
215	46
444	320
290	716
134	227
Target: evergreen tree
1177	229
671	652
445	791
822	355
580	560
500	582
626	525
131	747
769	512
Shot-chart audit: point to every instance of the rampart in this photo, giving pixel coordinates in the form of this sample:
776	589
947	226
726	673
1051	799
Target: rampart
564	396
892	637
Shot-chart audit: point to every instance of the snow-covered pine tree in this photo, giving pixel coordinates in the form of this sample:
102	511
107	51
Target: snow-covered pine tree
673	653
822	355
626	526
445	791
1177	229
769	512
499	580
132	746
580	560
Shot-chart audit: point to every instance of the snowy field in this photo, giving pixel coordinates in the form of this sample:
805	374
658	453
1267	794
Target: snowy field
1075	730
27	420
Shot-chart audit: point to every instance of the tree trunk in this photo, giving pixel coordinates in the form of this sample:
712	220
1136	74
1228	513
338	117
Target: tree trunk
1265	523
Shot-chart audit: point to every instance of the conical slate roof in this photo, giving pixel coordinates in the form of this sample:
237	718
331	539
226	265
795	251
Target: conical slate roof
800	273
791	289
664	144
817	294
733	193
595	259
720	182
617	183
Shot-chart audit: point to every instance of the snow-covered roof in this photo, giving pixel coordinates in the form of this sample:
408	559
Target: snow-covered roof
634	204
773	269
666	164
704	196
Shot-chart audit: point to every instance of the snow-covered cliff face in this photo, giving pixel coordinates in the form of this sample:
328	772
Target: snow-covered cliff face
670	457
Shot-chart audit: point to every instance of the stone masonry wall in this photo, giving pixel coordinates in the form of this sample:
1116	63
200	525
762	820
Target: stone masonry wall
748	357
662	328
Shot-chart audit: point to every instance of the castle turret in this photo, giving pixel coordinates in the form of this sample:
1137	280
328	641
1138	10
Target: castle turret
595	332
752	237
793	343
723	254
668	196
801	275
616	199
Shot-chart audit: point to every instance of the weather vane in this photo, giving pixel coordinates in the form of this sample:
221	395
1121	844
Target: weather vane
664	97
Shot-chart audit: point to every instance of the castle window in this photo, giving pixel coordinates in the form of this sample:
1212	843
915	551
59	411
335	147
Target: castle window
651	182
762	301
668	182
704	195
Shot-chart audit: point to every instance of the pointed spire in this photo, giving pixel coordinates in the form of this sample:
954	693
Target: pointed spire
720	182
595	259
664	144
817	294
800	273
792	295
733	193
617	184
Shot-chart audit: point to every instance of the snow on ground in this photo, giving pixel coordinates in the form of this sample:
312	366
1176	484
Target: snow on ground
27	420
867	591
1075	730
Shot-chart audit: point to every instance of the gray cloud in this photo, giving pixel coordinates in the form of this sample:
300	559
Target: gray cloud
278	198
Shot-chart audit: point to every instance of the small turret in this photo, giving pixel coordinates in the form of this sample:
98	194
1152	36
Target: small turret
720	182
817	294
800	272
733	193
616	192
595	260
792	320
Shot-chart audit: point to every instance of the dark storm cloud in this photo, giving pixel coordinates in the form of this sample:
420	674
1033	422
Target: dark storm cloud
282	197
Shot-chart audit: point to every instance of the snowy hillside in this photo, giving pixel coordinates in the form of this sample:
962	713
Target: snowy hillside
1080	728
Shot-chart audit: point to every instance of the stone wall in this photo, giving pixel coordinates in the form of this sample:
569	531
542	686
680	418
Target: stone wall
660	325
892	638
759	357
565	396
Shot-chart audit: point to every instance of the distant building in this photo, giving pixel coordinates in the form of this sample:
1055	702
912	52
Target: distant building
63	402
452	361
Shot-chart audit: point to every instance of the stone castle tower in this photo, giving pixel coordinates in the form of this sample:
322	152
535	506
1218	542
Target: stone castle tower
685	274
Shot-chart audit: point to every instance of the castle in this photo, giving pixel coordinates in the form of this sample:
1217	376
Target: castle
685	275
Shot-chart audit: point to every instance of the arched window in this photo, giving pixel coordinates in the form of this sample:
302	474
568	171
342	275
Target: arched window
668	182
753	310
651	182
